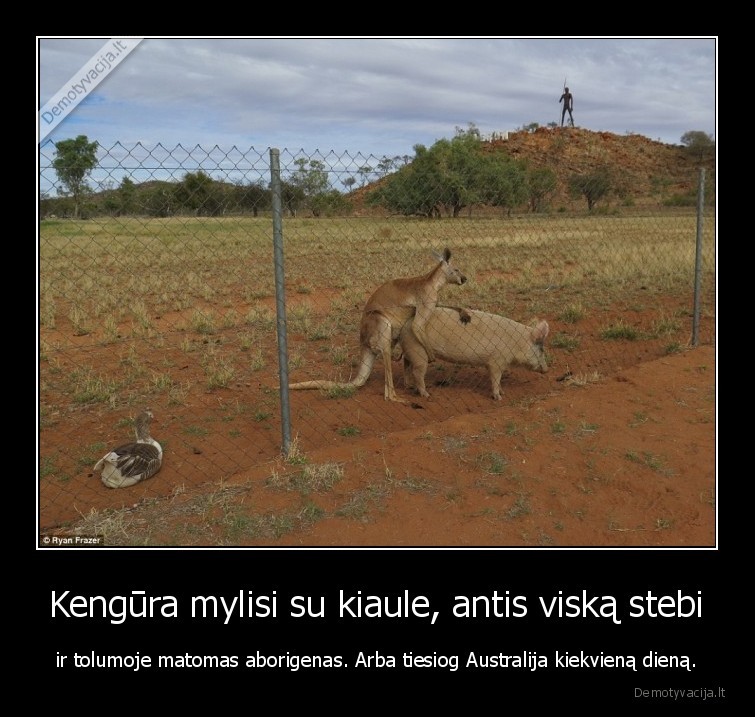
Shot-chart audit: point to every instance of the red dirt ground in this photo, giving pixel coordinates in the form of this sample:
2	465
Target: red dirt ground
626	460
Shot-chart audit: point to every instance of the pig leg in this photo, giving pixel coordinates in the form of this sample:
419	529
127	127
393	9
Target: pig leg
408	375
419	368
495	380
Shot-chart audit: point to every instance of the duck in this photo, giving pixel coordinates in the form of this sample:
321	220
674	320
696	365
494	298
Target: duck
134	462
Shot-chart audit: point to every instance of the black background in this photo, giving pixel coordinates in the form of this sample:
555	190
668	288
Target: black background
440	575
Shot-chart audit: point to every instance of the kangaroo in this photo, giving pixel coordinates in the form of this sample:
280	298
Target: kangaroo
391	306
487	340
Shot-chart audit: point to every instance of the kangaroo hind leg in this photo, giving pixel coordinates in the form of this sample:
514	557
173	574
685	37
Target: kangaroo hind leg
377	336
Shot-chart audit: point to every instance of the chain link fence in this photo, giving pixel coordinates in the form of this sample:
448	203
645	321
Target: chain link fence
157	288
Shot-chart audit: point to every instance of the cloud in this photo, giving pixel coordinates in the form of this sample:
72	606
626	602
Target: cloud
382	95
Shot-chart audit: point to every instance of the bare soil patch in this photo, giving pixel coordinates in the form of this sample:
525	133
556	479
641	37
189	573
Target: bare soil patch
620	455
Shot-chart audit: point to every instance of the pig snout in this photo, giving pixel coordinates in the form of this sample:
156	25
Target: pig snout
539	363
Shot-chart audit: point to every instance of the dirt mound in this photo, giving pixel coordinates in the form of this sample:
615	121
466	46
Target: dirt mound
645	166
644	172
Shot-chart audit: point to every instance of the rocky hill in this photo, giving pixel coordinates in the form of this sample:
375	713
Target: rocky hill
646	168
647	173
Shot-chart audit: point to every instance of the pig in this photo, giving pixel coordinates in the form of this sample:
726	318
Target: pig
485	340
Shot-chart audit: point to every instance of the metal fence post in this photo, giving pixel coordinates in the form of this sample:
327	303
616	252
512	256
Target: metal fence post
698	258
280	298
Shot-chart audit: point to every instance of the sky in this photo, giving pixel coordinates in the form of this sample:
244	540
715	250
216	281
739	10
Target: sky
379	96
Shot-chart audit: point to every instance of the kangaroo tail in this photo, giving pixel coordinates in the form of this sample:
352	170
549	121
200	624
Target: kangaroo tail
365	368
304	385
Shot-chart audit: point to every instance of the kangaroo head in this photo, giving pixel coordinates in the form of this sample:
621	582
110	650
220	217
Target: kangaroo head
451	273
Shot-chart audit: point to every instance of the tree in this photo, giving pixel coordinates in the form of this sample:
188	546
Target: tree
456	166
385	165
160	199
435	181
541	184
592	187
201	194
365	170
699	145
502	182
451	175
406	191
292	197
251	197
127	196
660	186
309	181
75	160
452	171
330	204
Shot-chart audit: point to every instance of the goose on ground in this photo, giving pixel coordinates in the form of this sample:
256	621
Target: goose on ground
131	463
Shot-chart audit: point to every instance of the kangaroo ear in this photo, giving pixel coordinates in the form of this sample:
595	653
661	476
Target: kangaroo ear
447	254
438	257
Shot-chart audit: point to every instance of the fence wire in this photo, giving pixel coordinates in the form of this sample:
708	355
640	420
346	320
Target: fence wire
157	288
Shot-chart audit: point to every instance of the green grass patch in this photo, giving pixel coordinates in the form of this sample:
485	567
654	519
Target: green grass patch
313	478
493	463
341	391
620	330
569	342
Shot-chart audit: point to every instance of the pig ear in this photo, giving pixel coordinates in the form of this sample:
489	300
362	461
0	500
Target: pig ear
540	332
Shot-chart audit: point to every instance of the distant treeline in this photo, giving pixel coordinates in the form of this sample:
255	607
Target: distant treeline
197	194
442	180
